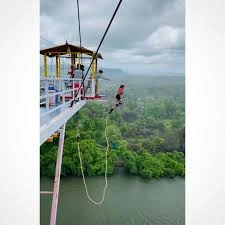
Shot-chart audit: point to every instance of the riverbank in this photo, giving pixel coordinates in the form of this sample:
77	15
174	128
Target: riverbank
143	163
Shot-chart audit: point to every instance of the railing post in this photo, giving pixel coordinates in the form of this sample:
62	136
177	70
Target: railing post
57	89
60	91
46	92
73	93
79	94
63	89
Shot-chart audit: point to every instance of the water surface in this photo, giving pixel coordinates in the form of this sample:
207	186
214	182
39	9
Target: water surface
129	201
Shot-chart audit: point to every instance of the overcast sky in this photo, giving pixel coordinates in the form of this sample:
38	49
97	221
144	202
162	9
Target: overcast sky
146	36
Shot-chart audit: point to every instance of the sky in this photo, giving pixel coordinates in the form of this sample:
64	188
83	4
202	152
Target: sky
146	36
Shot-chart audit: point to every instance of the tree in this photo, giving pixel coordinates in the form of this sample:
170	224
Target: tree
148	163
157	145
130	161
154	111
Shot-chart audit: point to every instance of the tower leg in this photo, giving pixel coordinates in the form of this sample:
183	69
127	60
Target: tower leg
57	177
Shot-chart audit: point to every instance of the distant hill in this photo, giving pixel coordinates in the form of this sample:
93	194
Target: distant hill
111	73
114	73
168	74
157	73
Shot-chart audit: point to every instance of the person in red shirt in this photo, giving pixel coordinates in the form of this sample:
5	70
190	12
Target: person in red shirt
120	93
118	97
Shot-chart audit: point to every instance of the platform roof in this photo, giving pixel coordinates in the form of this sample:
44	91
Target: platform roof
67	49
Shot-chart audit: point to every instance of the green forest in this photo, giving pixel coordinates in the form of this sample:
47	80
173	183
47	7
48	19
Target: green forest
146	135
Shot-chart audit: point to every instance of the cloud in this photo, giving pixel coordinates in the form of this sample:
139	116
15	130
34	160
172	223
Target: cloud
142	34
166	37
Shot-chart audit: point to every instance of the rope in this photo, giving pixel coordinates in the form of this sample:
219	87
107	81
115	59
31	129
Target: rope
106	166
103	37
81	58
78	16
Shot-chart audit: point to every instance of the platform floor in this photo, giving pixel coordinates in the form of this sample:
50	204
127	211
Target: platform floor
50	123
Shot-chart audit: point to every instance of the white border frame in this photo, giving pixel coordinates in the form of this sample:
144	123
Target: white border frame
205	112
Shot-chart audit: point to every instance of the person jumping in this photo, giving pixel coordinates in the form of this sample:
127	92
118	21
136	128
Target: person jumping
118	97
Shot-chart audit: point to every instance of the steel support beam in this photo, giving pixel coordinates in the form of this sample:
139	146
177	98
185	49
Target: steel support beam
57	177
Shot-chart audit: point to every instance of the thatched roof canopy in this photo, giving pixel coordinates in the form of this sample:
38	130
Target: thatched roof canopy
67	49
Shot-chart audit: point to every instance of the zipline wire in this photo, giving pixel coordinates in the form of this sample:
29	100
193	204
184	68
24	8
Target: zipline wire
103	37
45	39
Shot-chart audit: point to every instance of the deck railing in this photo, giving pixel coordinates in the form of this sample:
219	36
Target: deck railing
56	93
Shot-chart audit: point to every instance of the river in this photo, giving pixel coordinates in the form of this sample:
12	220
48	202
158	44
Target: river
129	201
